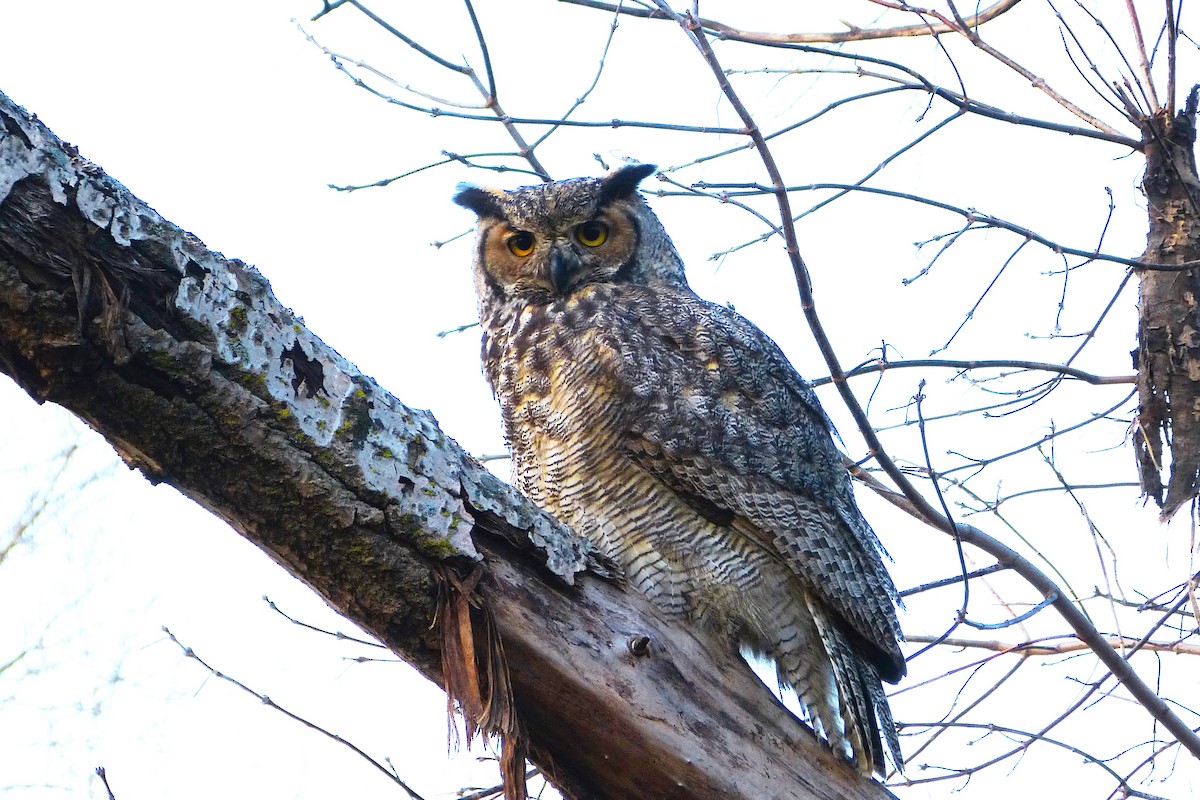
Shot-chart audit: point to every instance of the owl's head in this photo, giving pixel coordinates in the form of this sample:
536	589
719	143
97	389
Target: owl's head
540	243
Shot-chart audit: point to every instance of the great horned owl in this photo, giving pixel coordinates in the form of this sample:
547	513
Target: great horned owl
676	436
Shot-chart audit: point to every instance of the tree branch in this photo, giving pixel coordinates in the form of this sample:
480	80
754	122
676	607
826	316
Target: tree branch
199	377
883	365
1042	648
1085	631
852	34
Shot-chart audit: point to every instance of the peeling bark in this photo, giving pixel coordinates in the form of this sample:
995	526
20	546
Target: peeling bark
191	368
1168	354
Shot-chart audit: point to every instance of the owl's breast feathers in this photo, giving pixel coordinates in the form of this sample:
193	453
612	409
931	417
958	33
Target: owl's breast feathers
700	399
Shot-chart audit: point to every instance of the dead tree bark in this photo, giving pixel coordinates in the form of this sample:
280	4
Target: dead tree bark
1168	353
190	367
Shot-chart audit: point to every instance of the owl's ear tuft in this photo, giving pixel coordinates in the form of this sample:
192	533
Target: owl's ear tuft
624	181
482	201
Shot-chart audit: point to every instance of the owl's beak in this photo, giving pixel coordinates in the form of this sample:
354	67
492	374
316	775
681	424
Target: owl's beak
564	265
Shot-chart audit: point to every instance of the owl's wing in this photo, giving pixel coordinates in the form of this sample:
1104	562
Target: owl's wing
721	417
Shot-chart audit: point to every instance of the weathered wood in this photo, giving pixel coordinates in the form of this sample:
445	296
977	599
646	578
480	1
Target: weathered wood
1168	353
190	367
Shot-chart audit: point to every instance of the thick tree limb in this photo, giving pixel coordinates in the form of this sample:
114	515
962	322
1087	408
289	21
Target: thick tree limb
1168	353
186	362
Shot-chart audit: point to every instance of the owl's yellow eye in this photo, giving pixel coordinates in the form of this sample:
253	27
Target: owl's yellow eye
592	234
521	243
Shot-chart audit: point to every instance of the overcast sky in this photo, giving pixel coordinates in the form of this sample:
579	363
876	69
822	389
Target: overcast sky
226	120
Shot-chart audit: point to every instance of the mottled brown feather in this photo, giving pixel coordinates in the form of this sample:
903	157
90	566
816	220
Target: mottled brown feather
677	437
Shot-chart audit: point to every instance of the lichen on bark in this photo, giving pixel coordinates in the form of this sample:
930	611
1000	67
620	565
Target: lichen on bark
188	365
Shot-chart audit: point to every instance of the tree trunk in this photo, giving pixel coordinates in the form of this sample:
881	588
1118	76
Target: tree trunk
1168	354
188	365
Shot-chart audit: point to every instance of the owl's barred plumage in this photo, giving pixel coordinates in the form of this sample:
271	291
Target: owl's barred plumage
675	435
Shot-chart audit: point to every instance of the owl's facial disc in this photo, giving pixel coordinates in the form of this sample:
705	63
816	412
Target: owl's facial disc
539	256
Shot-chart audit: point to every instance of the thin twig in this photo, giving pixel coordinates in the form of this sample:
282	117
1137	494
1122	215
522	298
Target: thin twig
975	216
1133	111
938	584
495	791
993	505
103	775
1103	89
913	499
971	312
343	637
1054	434
1143	61
489	93
883	365
1039	83
854	34
1038	648
582	98
267	701
1128	790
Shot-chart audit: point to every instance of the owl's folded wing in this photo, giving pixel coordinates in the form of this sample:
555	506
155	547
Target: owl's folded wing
724	420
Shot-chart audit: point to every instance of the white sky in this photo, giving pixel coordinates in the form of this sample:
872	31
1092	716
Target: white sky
222	117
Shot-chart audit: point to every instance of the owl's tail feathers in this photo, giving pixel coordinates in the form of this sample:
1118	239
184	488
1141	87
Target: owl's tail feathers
883	714
865	714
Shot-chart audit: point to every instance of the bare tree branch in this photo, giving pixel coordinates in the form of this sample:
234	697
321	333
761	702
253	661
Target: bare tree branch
910	498
853	34
883	365
199	377
1040	648
269	703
